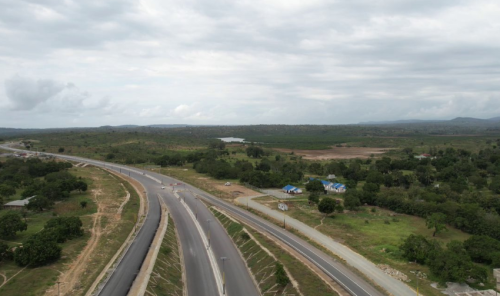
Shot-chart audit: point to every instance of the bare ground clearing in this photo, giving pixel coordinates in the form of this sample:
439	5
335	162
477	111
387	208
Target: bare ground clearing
336	152
104	222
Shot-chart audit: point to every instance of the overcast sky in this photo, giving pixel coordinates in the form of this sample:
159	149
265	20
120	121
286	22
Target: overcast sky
89	63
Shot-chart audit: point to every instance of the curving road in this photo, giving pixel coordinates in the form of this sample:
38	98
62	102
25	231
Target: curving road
199	269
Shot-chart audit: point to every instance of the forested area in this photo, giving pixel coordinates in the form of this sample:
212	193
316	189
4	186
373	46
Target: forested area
47	182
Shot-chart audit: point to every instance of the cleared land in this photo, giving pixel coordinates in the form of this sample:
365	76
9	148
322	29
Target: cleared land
336	152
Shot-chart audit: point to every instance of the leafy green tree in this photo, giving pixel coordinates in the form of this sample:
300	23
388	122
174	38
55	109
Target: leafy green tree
39	203
60	150
314	197
327	205
65	227
282	278
417	248
495	185
481	248
38	250
254	152
351	200
436	221
316	168
81	186
10	223
452	264
83	204
315	186
5	252
6	191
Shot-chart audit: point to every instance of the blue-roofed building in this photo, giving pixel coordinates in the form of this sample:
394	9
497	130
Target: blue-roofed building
336	187
291	189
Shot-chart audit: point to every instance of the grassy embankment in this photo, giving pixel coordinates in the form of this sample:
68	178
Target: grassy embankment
166	279
262	264
375	235
35	281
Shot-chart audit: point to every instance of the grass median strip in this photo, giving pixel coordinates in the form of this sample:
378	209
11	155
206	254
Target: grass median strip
262	256
166	278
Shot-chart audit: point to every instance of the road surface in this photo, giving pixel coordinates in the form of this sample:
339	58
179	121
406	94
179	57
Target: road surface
200	274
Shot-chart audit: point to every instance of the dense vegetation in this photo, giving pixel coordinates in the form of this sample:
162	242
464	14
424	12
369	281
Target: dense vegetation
48	182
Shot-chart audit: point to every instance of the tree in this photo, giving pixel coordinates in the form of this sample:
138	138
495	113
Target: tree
10	223
81	186
452	264
417	248
65	228
436	221
60	150
254	152
281	276
38	250
7	191
315	186
83	204
316	168
39	203
351	200
327	205
314	197
5	252
481	248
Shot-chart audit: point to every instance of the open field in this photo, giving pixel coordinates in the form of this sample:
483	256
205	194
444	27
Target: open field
82	258
375	235
336	153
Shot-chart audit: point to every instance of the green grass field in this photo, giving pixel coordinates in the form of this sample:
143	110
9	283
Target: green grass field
375	235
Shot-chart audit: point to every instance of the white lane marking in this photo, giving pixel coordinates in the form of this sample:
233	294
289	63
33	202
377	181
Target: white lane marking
271	230
211	256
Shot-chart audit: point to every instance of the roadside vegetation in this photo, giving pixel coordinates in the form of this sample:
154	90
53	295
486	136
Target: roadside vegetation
42	241
268	263
166	278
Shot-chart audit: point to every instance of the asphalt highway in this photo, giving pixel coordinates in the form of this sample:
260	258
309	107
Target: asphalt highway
237	280
125	272
200	277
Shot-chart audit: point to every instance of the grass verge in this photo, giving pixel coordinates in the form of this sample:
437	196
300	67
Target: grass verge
166	278
261	255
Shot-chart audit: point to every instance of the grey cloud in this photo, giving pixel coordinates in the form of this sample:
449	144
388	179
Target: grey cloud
26	94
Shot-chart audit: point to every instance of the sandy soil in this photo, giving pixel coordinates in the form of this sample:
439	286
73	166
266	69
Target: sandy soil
111	208
336	153
235	190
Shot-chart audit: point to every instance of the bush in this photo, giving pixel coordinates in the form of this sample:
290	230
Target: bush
245	236
282	278
386	221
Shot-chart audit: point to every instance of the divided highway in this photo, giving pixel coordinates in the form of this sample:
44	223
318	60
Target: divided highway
200	277
199	269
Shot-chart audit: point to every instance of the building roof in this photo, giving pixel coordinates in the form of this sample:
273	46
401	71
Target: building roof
289	187
19	203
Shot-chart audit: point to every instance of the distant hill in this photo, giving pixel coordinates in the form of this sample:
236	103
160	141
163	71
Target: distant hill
458	121
399	122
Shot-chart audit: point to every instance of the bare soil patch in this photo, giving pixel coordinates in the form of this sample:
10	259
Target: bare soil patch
336	152
235	190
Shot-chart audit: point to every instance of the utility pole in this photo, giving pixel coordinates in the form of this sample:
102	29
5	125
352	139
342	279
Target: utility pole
208	221
196	202
417	280
223	275
58	292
